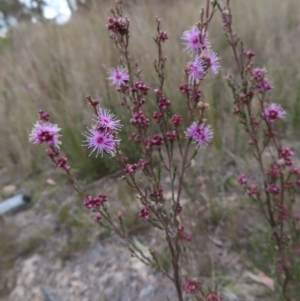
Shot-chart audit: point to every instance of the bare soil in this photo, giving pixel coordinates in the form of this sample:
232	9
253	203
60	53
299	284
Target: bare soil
56	261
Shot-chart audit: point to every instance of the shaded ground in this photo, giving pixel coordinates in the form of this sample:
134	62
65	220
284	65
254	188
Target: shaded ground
60	253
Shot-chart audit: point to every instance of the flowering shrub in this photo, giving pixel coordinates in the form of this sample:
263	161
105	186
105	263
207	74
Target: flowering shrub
275	192
171	137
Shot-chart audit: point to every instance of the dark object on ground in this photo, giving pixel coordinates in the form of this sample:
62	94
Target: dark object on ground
14	204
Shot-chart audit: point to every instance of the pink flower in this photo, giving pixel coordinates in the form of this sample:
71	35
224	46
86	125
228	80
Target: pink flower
184	88
252	190
265	86
273	112
118	26
94	203
275	172
176	120
52	153
144	213
100	141
157	141
107	120
194	40
259	74
139	85
45	132
171	135
249	53
285	153
140	119
62	163
131	168
164	103
157	195
191	285
162	36
44	116
261	81
211	60
179	208
143	163
97	218
195	70
118	76
273	188
157	116
242	180
201	134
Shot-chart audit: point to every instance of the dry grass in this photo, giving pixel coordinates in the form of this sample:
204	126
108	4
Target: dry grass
55	67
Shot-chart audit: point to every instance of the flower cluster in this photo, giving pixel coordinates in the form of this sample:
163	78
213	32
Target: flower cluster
275	173
156	194
176	120
285	154
139	119
196	42
184	88
273	188
252	190
242	180
101	137
141	87
95	202
276	187
171	135
159	139
157	116
165	142
163	36
144	213
131	168
118	26
260	79
163	103
191	285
